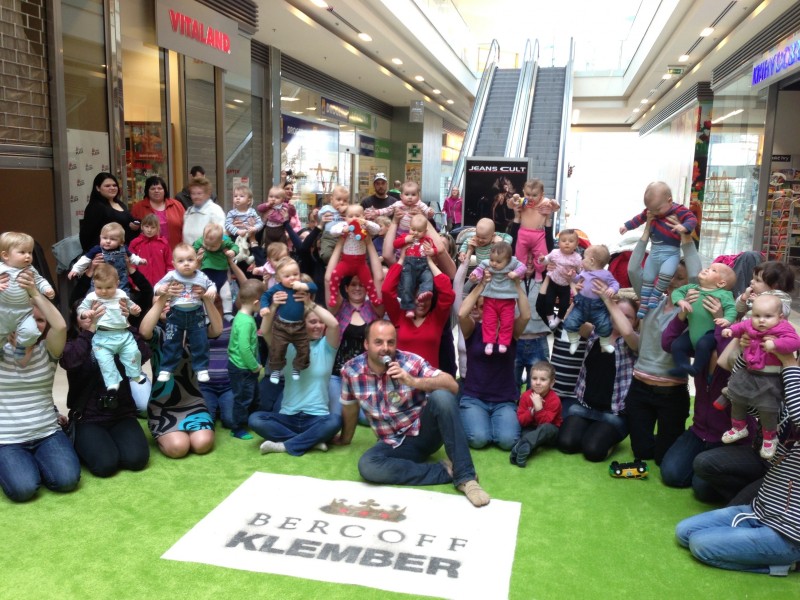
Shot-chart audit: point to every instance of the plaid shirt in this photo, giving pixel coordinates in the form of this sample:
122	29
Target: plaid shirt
391	421
624	359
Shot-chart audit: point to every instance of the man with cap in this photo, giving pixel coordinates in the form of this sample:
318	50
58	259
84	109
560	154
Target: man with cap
381	197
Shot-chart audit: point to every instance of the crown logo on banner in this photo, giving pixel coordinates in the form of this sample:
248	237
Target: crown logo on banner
367	509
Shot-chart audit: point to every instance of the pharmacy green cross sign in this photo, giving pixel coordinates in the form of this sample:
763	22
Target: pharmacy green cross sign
413	153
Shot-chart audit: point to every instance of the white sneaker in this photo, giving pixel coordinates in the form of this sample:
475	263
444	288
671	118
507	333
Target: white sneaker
202	377
269	447
768	448
164	376
606	345
734	435
322	447
275	377
295	375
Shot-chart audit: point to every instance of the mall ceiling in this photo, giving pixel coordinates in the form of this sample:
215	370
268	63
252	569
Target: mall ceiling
328	40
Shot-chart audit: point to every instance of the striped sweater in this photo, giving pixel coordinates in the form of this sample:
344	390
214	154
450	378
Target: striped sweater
778	503
660	230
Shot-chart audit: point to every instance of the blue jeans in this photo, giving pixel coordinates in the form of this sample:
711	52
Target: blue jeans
243	385
529	352
406	464
415	278
218	399
334	406
299	432
193	322
663	260
676	466
52	460
749	545
489	422
618	422
589	310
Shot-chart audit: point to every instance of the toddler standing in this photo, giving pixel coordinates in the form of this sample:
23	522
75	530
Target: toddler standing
185	314
416	279
538	413
588	306
243	363
716	281
153	248
112	337
16	312
500	296
759	386
288	324
568	263
665	241
354	253
535	211
114	252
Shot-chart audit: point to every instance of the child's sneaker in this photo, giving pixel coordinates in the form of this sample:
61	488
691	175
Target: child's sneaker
241	434
164	376
203	377
489	349
768	448
295	374
734	435
574	339
502	349
606	345
275	377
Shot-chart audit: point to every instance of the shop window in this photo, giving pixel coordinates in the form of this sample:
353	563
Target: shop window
200	116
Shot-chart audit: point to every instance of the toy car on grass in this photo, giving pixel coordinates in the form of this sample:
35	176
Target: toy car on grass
632	470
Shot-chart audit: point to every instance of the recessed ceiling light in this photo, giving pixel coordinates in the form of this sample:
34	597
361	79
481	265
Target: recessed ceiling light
683	58
320	3
441	107
427	98
707	32
451	102
322	120
644	101
397	61
636	110
238	101
419	78
408	86
289	99
435	91
666	76
296	112
364	37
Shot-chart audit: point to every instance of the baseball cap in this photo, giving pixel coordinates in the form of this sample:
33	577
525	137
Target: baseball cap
380	176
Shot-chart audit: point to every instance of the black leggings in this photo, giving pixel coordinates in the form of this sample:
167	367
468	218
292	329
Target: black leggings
106	448
594	439
547	301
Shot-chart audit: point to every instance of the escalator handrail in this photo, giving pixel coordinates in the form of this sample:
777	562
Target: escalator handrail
471	134
520	114
566	119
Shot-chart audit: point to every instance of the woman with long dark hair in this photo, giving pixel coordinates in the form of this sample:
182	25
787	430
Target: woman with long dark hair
105	206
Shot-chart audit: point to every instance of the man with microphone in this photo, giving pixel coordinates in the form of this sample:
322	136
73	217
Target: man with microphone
412	409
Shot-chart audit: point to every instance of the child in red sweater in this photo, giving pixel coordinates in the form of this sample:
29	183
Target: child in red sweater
539	414
154	248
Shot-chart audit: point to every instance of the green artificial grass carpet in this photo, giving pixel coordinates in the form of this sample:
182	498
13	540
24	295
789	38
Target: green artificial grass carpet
582	533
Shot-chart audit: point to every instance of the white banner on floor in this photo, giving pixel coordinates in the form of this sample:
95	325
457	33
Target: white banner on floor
391	538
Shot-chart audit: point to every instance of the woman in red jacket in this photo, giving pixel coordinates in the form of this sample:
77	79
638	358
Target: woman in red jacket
168	210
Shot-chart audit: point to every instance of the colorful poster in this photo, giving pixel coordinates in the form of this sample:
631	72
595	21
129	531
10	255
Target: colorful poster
87	156
488	185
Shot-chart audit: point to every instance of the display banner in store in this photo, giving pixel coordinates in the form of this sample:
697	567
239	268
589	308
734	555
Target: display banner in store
87	155
334	110
290	127
195	30
489	183
366	146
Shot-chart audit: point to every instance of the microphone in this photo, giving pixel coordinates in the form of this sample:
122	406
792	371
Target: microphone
386	360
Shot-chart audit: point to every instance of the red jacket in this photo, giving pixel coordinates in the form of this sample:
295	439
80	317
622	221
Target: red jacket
158	255
174	210
550	413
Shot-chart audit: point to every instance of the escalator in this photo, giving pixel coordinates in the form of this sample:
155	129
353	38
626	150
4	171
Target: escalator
494	127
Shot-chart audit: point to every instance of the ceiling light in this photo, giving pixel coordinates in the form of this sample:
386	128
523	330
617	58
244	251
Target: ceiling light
728	116
397	61
296	112
683	58
441	107
408	86
238	101
364	37
707	32
666	76
427	98
311	107
435	91
636	110
320	3
322	120
451	102
289	99
643	101
385	71
419	78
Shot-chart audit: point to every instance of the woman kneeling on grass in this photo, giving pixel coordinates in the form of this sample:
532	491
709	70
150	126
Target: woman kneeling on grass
177	415
762	537
304	421
33	448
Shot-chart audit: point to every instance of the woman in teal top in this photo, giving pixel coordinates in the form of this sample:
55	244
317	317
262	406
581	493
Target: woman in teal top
304	421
